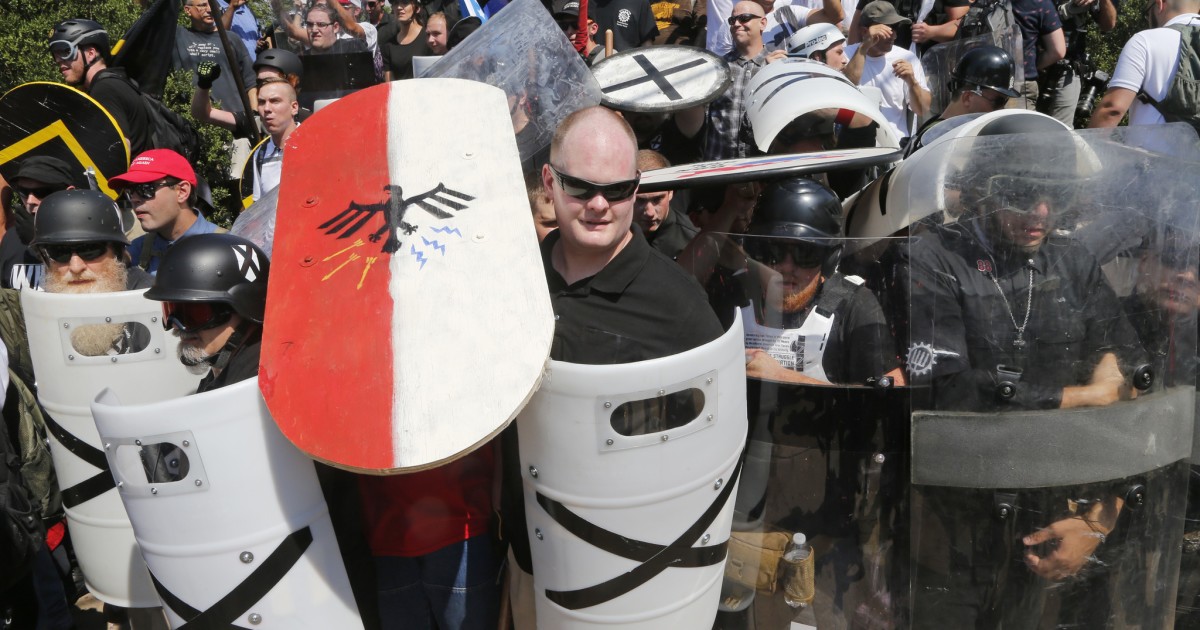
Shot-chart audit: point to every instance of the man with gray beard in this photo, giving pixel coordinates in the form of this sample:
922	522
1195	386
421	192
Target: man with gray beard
78	236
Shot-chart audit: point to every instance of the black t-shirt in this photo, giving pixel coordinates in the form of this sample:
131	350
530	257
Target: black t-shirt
640	306
242	366
674	233
632	21
910	9
111	89
193	48
12	252
398	57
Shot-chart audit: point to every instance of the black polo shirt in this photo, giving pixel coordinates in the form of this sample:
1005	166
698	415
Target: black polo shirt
640	306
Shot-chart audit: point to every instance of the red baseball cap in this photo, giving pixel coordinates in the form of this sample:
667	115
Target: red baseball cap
154	165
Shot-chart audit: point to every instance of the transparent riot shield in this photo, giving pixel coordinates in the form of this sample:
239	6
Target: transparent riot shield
827	450
629	475
332	76
939	62
1050	355
523	52
229	515
81	344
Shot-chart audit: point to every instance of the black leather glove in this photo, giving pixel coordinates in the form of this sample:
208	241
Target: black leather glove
23	221
206	73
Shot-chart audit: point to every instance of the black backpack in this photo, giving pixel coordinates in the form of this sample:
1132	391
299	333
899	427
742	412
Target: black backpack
21	533
1182	102
168	130
984	17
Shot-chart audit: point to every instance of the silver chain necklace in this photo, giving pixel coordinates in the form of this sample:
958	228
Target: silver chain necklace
1019	343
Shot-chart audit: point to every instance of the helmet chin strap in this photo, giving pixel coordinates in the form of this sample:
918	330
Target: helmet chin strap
241	334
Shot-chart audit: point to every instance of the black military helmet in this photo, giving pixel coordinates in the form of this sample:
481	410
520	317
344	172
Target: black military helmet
79	32
214	268
282	60
986	67
77	216
799	209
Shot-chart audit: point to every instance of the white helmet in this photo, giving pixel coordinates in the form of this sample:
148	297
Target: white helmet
812	39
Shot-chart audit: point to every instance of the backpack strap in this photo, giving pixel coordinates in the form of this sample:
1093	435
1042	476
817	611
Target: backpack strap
147	253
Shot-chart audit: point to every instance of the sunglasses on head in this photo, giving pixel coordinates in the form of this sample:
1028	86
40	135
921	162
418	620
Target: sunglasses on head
40	192
584	189
774	251
62	253
147	190
743	18
191	317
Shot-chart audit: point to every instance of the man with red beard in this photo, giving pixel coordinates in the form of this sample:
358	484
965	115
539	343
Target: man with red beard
805	321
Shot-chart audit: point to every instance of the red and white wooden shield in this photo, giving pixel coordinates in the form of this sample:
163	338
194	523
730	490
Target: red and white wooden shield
408	319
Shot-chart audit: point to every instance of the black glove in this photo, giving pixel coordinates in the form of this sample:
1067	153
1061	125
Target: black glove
206	73
23	221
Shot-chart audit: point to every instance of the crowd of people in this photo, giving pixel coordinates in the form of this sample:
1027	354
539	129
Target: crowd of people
995	309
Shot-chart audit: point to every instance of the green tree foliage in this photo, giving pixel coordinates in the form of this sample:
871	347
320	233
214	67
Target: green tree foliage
24	57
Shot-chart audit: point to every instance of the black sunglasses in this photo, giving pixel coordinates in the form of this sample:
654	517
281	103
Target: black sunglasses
147	190
997	101
773	252
743	18
40	193
62	253
584	189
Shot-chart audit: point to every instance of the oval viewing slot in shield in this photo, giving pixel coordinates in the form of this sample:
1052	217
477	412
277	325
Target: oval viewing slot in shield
658	414
99	340
116	339
160	465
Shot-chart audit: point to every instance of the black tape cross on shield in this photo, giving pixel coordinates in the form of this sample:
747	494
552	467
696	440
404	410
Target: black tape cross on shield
659	77
222	614
93	486
655	558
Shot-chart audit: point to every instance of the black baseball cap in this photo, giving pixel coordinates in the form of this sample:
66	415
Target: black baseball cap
566	7
47	170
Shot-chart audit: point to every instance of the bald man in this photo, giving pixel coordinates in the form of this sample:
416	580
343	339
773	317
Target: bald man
722	134
615	299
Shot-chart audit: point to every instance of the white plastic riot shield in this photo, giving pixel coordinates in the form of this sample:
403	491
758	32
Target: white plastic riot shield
229	515
140	366
629	474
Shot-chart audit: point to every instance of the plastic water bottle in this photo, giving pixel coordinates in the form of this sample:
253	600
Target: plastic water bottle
799	585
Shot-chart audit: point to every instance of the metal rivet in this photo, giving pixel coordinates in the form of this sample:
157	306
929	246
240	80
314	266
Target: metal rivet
108	319
533	472
479	237
538	533
608	441
107	445
718	484
664	438
708	381
65	325
174	463
246	557
120	484
255	618
138	442
199	483
70	357
187	443
467	155
662	392
710	417
310	201
879	458
114	359
704	540
153	490
607	405
158	351
153	319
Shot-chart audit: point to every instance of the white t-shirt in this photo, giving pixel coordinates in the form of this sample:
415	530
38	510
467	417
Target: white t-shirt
370	36
847	9
1148	62
877	73
267	163
720	41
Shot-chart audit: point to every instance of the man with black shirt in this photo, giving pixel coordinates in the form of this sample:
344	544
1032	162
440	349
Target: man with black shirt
929	23
37	178
1059	84
631	21
615	299
200	42
981	82
80	48
662	215
1042	41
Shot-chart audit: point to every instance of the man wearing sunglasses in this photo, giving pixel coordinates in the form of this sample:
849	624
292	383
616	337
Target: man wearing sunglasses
160	187
37	178
723	120
214	291
80	50
616	300
982	81
200	42
806	322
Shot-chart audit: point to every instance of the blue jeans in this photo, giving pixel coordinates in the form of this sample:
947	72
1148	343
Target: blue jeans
453	588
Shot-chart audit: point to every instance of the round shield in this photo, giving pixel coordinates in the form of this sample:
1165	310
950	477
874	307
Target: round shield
55	120
764	167
661	79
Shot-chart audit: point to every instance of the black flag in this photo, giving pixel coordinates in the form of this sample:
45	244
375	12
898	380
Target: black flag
146	50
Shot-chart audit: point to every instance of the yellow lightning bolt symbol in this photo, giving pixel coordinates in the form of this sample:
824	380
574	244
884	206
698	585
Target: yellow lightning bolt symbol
370	261
352	258
358	243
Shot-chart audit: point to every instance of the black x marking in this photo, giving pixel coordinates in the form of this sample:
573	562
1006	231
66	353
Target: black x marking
256	586
93	486
654	74
655	558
